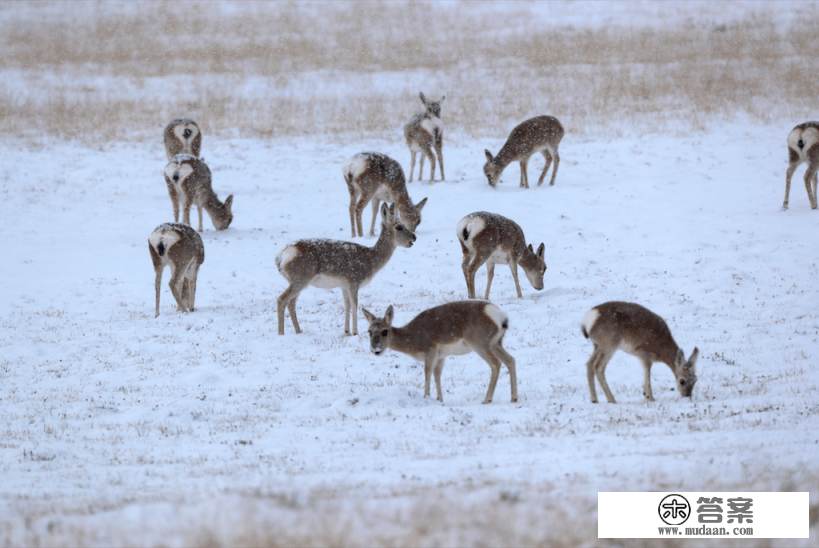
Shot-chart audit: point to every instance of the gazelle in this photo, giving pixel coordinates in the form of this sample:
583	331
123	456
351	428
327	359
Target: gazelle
451	329
376	177
330	263
491	238
423	131
188	179
803	146
180	247
634	329
539	134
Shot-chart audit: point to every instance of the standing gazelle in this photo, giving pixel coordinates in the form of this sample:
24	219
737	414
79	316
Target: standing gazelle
539	134
638	331
451	329
803	146
376	177
188	179
331	263
423	132
180	247
491	238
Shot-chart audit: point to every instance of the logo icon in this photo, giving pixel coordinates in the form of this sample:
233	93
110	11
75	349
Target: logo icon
674	510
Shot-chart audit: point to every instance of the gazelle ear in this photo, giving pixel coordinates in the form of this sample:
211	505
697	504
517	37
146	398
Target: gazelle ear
388	316
442	99
229	203
679	360
530	248
488	155
423	99
385	212
541	250
369	315
421	205
692	361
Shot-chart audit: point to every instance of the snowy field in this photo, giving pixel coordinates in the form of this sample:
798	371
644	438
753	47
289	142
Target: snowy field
118	428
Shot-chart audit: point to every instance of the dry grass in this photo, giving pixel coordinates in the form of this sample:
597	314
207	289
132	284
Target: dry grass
109	71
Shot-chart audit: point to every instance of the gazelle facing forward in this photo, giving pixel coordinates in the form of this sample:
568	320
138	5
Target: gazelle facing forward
330	263
451	329
539	134
491	238
188	179
182	136
180	247
803	146
376	177
423	132
634	329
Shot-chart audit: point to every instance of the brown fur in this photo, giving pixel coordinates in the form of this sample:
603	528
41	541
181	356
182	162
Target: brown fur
173	144
801	152
420	140
196	190
640	332
498	235
184	257
382	179
541	133
450	329
349	266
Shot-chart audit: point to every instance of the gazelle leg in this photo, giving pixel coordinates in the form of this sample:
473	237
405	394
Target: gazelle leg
647	380
193	273
376	202
494	365
363	200
524	177
490	273
440	160
514	267
346	295
288	300
439	367
556	156
199	208
158	285
791	168
354	308
600	371
430	358
507	359
421	166
353	201
412	164
431	156
548	158
177	277
590	373
470	277
291	306
810	175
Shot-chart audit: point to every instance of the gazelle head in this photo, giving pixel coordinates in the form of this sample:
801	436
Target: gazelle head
685	372
399	231
535	267
491	170
433	107
412	215
221	222
380	330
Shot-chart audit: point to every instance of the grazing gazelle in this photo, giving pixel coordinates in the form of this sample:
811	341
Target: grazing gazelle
539	134
182	136
423	132
634	329
451	329
803	146
376	177
491	238
331	263
180	247
188	180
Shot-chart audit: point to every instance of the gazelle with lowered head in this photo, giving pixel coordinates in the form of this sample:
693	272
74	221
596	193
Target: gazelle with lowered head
182	136
451	329
803	147
331	263
489	238
539	134
188	179
376	177
180	247
423	132
614	326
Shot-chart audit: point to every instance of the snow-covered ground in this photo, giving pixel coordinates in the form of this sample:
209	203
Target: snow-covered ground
121	428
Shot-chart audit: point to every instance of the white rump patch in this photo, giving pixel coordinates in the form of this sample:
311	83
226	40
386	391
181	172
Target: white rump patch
431	124
168	237
179	130
183	169
473	226
496	315
358	164
809	137
590	319
286	256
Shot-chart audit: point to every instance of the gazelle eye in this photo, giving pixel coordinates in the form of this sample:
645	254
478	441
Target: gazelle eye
399	227
682	382
385	333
